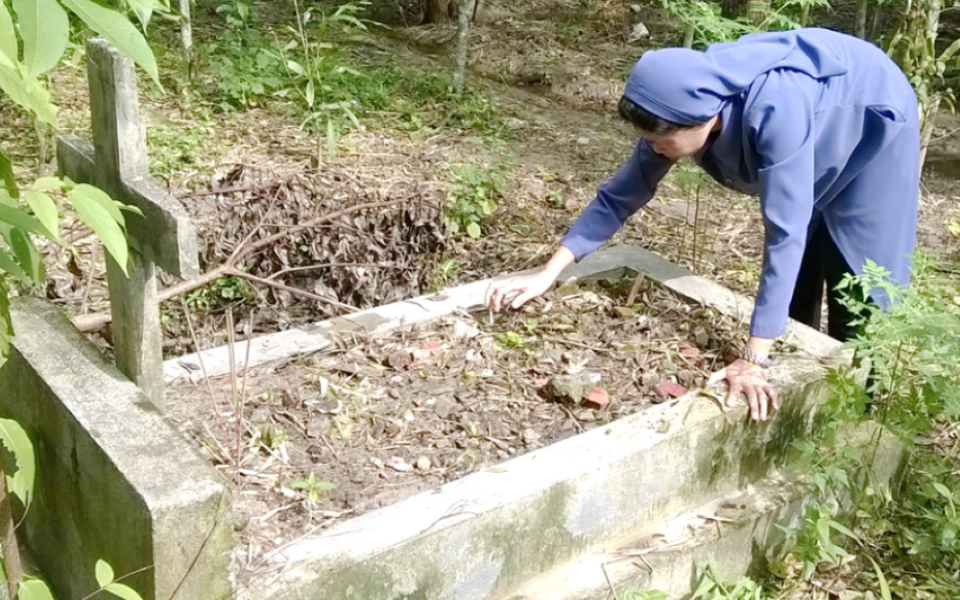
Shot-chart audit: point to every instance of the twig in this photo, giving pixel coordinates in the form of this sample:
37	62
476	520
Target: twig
94	322
231	352
632	296
243	390
292	290
88	285
613	590
118	579
337	264
233	189
203	368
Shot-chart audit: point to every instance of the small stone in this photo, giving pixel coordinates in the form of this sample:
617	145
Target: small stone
635	8
571	388
639	32
529	435
423	463
409	416
701	336
540	382
686	377
502	445
399	360
571	205
598	397
330	514
649	379
431	345
376	462
691	354
586	416
669	389
465	331
398	464
444	443
261	414
318	426
583	141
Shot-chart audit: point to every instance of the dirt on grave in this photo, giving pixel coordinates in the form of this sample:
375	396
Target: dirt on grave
339	434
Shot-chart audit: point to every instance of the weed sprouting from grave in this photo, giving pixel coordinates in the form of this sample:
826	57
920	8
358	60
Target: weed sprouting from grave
473	195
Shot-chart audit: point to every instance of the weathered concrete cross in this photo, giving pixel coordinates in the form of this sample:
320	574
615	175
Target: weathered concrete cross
163	236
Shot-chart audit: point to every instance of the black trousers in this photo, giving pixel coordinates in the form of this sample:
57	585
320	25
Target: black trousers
823	264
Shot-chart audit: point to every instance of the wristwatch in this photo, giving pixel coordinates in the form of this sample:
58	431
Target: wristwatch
755	358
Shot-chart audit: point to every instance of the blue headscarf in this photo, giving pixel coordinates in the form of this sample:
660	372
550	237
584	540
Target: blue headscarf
688	87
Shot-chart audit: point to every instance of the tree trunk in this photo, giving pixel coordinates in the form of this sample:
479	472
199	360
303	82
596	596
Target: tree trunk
861	21
805	15
688	37
757	12
875	26
926	131
465	12
186	36
754	10
436	11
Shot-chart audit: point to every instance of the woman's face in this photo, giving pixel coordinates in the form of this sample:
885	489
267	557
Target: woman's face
682	143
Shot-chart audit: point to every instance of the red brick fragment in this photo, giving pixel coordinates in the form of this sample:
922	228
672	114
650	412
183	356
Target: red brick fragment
598	397
669	388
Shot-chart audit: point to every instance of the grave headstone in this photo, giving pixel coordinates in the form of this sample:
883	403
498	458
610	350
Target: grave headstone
163	237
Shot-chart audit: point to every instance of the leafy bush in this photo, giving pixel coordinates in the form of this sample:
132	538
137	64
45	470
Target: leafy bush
473	195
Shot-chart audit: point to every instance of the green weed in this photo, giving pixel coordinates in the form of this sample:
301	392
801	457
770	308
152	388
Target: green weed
473	195
226	291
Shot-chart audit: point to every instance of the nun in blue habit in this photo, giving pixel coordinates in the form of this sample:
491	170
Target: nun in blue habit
821	125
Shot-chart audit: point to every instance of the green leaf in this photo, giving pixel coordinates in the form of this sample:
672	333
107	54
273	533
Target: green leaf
34	590
6	324
89	209
473	230
118	31
123	591
28	256
104	573
943	490
309	93
104	200
29	94
46	211
44	29
48	184
20	219
6	172
843	529
295	67
884	587
8	35
10	266
13	436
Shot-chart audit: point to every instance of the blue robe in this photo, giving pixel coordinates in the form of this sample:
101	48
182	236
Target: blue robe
823	126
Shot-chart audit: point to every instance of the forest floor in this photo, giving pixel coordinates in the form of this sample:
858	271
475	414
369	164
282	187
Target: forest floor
529	141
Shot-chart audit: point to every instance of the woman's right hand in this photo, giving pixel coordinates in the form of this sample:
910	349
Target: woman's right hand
519	289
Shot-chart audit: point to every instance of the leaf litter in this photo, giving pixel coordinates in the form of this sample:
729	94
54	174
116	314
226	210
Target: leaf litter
384	418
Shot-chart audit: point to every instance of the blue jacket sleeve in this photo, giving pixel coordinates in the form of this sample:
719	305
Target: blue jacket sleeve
780	122
626	193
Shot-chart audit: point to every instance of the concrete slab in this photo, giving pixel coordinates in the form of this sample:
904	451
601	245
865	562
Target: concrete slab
115	481
672	556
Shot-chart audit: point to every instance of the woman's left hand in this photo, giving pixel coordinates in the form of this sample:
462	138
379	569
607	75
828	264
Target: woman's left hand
751	380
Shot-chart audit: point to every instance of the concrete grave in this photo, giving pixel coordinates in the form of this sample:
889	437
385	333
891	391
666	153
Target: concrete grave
115	480
490	534
543	522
